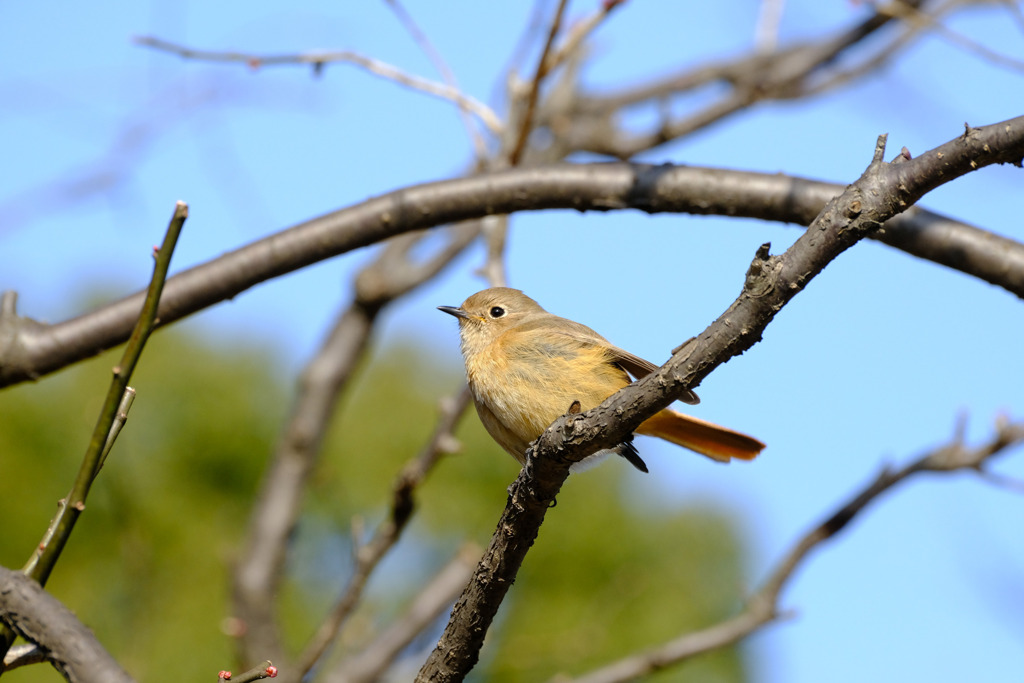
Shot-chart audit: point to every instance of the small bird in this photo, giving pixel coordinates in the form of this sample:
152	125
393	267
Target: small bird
526	367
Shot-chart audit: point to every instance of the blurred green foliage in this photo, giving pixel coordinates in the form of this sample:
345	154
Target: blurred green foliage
148	565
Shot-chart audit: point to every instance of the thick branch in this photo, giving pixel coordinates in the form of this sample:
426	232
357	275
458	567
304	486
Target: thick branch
40	618
29	349
772	281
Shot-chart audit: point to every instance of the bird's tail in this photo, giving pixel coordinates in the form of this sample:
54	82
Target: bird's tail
706	438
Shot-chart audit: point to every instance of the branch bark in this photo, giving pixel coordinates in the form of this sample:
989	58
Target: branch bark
372	662
583	122
772	281
276	510
29	349
763	606
403	504
39	617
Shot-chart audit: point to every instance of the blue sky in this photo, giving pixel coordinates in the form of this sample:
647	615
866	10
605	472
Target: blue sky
870	365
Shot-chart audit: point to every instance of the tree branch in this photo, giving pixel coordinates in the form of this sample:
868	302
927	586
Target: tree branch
763	606
40	618
276	510
530	104
45	557
261	671
790	72
387	533
772	281
108	425
29	349
447	75
318	59
372	661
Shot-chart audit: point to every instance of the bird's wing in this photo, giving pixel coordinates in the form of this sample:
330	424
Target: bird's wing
634	365
639	367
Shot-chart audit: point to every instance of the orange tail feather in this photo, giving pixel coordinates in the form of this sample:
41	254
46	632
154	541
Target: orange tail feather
706	438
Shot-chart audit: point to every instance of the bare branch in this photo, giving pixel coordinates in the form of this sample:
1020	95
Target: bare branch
278	504
914	15
55	538
772	281
318	59
46	555
260	672
766	32
495	232
787	73
373	660
40	618
29	349
120	419
578	33
387	533
763	606
447	75
530	105
524	101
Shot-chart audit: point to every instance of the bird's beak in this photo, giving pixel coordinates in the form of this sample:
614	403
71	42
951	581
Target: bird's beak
452	310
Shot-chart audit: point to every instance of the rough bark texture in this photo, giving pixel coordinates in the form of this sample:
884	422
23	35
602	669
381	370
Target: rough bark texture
883	191
39	617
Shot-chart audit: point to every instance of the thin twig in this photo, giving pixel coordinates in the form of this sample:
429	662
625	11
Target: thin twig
766	32
319	59
579	32
278	505
763	606
786	73
43	560
120	418
495	229
46	554
373	660
447	75
1003	481
914	15
526	124
259	672
531	31
388	532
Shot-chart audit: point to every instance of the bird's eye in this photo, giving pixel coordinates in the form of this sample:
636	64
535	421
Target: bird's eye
497	312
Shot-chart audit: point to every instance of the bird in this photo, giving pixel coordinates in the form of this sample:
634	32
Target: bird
526	367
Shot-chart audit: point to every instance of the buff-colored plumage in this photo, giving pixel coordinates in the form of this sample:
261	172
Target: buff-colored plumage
526	367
